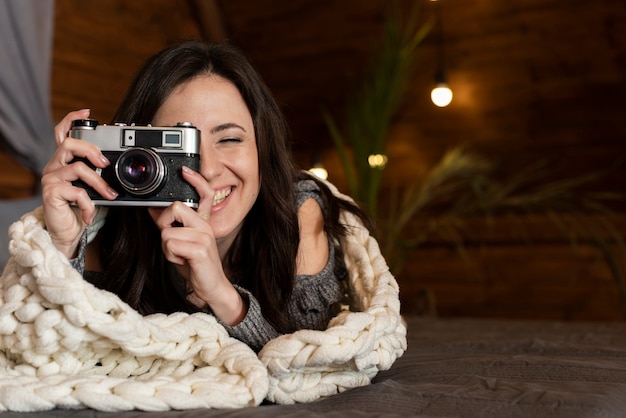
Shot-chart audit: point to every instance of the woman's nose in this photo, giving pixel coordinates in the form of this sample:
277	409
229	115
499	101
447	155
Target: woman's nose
210	164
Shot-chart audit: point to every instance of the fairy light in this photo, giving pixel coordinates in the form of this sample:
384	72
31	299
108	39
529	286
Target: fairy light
377	161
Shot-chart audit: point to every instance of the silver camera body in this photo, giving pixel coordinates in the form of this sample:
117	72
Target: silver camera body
146	162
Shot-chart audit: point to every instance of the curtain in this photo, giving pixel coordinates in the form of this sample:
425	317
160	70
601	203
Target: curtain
26	128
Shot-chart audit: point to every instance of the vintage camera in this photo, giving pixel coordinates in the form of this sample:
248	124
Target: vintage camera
146	162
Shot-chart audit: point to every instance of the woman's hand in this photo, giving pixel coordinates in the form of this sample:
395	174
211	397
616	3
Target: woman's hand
189	242
67	209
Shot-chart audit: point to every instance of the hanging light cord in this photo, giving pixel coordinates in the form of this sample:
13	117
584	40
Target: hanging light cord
440	75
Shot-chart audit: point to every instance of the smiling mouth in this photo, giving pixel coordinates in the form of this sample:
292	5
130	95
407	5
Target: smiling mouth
221	195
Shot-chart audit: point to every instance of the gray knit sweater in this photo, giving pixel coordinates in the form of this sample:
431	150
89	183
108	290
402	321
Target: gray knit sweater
313	302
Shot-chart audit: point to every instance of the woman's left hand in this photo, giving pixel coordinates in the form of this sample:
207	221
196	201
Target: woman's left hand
189	242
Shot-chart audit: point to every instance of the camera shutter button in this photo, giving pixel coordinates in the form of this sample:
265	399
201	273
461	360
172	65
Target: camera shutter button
85	123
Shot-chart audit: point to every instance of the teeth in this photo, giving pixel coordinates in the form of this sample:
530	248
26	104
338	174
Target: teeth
221	195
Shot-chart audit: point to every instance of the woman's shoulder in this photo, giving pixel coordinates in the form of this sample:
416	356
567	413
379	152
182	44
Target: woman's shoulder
308	189
307	186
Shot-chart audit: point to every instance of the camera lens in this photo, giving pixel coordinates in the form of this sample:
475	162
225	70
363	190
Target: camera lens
140	171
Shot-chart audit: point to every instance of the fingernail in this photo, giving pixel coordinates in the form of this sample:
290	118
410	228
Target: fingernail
112	192
104	160
187	170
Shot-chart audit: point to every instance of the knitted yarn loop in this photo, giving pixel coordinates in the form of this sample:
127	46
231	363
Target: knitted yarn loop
66	344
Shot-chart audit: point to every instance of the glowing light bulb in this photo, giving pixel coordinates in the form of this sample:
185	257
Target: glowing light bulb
319	171
377	161
441	95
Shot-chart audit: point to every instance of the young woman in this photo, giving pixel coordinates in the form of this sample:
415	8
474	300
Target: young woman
259	250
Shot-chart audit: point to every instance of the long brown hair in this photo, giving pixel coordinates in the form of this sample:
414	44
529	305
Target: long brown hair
263	256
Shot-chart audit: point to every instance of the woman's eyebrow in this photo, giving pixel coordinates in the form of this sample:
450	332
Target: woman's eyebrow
226	126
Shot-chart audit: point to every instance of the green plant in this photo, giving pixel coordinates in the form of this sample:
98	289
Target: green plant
371	110
464	185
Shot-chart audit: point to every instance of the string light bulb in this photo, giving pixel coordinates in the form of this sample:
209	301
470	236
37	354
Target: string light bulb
441	95
318	169
377	161
319	172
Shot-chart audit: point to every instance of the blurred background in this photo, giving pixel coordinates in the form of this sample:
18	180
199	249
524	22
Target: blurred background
507	202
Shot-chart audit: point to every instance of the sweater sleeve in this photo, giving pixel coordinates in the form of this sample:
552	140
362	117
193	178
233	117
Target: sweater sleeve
79	262
254	330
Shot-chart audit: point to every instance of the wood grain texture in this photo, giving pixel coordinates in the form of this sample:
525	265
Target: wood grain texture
541	281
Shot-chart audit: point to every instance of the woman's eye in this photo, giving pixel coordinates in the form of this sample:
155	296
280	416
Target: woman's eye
230	139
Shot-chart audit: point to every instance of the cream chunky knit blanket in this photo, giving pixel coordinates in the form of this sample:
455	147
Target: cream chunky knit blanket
66	344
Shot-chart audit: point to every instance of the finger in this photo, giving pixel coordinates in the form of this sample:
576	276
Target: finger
196	237
180	244
185	245
71	149
58	195
177	214
163	217
205	191
167	247
79	171
62	129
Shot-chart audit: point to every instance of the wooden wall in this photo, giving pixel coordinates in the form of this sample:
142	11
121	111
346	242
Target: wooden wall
98	47
519	266
533	80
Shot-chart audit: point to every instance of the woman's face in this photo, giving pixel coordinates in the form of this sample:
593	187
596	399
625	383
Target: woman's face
228	150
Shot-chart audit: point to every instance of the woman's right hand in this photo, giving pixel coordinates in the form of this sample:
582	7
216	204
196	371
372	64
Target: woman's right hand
67	209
